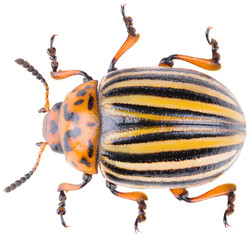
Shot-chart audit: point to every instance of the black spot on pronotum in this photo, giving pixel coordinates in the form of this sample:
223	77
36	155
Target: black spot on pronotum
91	124
81	93
57	106
90	102
88	87
71	133
84	161
90	149
70	116
56	148
80	101
74	164
53	127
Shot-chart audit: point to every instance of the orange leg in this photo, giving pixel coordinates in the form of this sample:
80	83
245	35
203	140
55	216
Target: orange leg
59	75
222	190
130	41
208	64
138	197
65	187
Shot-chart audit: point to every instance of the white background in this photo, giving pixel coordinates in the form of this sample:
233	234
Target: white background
90	33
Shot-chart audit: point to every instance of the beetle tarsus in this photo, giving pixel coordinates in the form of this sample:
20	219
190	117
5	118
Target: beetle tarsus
61	207
230	208
142	215
128	22
52	53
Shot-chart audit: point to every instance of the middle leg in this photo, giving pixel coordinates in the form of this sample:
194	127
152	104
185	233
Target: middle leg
138	197
130	41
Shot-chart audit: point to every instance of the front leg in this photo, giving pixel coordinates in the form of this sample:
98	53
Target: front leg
138	197
65	187
59	75
208	64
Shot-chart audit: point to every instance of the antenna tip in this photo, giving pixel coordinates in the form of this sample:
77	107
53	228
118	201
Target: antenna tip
19	61
7	189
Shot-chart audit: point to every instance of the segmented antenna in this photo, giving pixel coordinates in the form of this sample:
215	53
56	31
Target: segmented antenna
23	179
35	72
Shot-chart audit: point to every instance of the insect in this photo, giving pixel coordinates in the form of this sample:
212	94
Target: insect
145	127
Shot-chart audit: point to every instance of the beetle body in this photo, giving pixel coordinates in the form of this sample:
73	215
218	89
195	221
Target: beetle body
147	127
160	127
164	127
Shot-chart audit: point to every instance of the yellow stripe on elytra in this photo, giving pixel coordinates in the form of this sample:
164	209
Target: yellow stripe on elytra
170	179
152	71
169	84
111	136
171	165
175	145
149	70
174	103
110	111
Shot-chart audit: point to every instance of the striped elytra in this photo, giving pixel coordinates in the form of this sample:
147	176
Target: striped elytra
167	127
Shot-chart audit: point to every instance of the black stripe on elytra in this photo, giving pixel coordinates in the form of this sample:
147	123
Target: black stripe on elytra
70	116
153	183
80	101
90	148
119	123
172	78
169	173
84	161
169	93
70	134
170	156
53	127
170	112
90	102
174	135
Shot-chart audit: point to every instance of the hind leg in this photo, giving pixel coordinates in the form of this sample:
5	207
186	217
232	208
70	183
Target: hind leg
208	64
222	190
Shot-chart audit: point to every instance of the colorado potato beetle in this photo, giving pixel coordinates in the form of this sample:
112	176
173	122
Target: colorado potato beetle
149	127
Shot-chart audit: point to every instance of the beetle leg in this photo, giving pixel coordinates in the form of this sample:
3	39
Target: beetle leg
208	64
138	197
59	75
65	187
222	190
130	41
